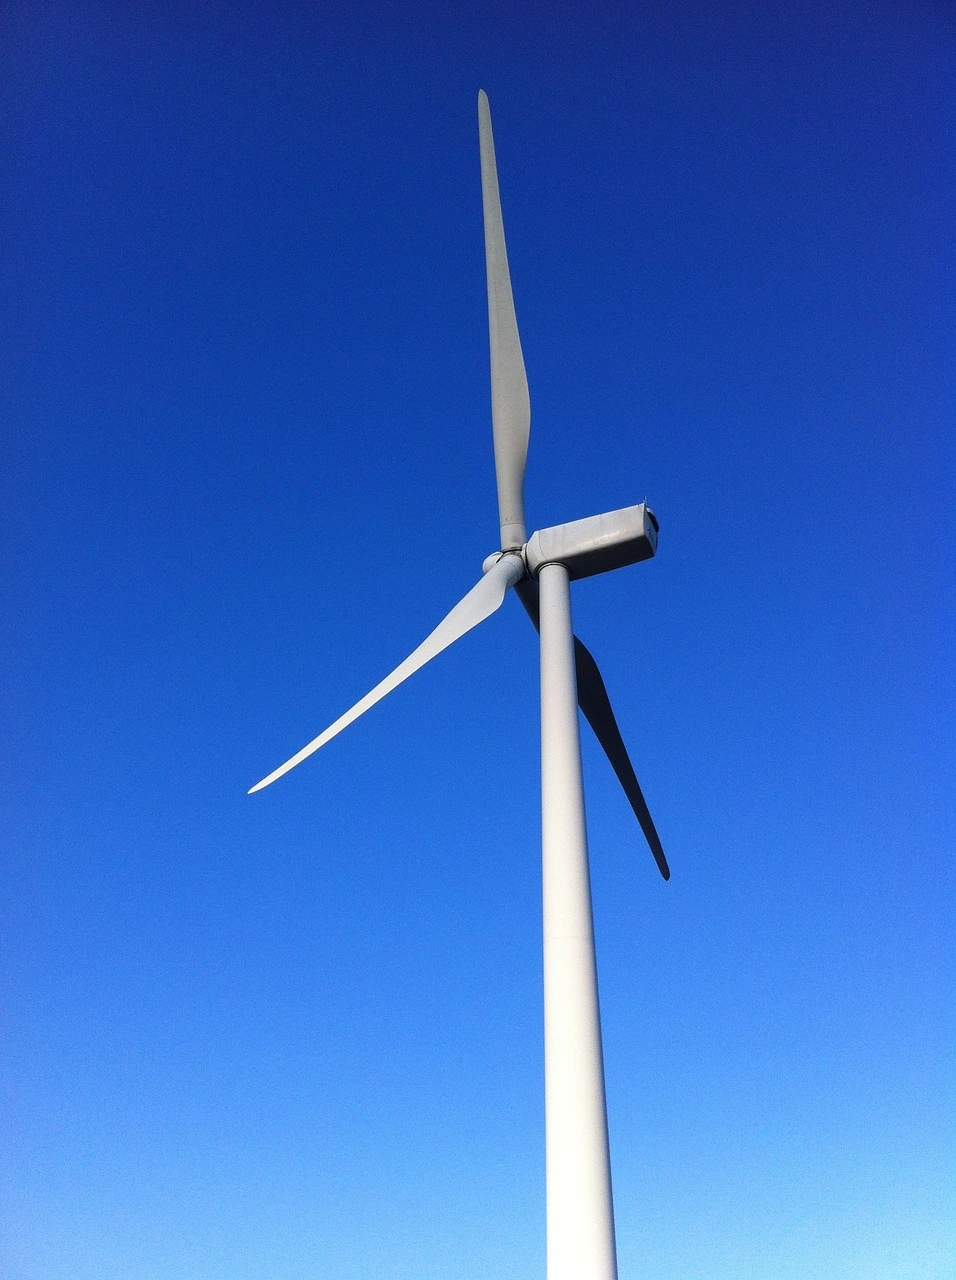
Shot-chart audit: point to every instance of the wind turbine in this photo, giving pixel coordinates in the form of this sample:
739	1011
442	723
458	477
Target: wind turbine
580	1214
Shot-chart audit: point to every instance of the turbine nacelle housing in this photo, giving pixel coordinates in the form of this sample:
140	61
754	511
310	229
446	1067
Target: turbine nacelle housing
593	545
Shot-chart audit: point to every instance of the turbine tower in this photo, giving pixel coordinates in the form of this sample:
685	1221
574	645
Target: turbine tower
580	1213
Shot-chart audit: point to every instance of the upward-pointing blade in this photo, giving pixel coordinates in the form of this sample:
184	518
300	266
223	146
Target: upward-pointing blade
480	602
510	404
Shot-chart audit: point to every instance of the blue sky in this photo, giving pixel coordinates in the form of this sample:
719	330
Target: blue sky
249	467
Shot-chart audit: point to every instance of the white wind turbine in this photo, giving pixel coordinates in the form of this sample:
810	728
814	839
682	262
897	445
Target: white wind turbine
580	1214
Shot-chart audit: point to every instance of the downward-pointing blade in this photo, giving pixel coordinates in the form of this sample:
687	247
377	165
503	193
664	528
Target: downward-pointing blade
596	706
480	602
510	404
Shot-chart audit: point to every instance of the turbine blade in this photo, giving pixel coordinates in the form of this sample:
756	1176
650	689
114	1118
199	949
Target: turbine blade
480	602
596	706
510	404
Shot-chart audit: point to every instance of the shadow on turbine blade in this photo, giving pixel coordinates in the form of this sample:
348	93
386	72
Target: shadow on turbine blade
594	702
596	706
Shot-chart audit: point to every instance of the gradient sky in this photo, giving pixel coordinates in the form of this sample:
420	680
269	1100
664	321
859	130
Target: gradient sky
298	1035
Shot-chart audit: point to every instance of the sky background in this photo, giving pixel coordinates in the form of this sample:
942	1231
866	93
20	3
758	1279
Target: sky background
248	467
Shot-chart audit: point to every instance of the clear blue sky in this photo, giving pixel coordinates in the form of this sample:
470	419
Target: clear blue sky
248	466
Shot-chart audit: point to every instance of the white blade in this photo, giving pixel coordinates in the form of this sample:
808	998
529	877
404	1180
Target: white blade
510	405
480	602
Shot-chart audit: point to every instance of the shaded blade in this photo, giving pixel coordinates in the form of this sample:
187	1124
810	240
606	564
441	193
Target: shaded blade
594	702
510	404
480	602
596	706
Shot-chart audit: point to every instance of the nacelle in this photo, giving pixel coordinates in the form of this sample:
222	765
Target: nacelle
595	544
